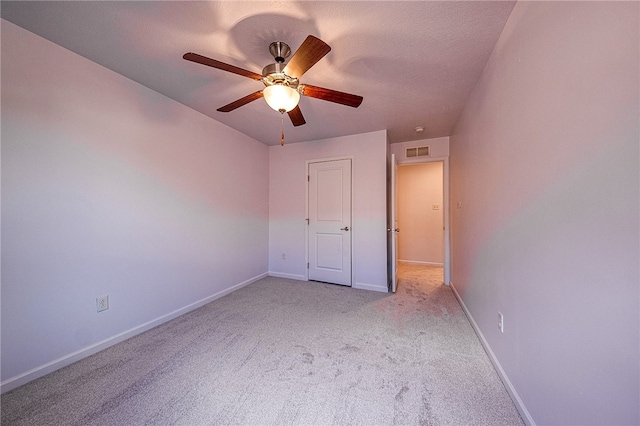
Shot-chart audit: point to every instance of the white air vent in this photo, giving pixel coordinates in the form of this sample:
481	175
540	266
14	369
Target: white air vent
420	151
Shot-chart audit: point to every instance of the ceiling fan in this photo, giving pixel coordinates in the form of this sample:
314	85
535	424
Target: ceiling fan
282	86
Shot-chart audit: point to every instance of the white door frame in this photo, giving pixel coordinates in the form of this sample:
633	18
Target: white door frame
445	194
306	212
393	223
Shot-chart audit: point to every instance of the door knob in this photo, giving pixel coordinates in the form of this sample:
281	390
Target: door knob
346	228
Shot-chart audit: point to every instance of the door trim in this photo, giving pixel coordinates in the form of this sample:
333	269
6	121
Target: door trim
306	211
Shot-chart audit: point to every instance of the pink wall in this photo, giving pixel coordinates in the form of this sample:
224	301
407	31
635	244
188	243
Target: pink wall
111	188
287	186
545	166
421	237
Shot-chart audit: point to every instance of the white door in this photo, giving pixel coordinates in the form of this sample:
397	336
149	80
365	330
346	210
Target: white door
330	221
393	224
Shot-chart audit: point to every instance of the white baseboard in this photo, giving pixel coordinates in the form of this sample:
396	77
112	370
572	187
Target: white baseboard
524	413
416	262
57	364
370	287
361	286
288	276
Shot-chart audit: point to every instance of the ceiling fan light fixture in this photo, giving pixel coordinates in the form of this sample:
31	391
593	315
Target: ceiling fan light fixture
281	98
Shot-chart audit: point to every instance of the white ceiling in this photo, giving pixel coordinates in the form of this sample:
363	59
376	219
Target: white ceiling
415	63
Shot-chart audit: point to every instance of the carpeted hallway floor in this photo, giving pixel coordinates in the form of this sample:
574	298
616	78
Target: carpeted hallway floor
286	352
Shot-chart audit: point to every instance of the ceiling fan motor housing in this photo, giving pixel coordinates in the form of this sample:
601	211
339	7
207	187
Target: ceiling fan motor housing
274	74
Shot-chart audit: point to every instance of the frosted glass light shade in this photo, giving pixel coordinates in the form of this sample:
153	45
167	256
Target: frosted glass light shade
280	97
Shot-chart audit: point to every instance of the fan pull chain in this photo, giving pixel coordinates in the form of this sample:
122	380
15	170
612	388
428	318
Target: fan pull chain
282	126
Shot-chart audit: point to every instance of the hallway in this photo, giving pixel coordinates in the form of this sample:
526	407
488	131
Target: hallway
419	275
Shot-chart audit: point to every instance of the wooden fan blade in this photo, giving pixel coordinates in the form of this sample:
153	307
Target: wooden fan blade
311	51
331	95
296	116
194	57
240	102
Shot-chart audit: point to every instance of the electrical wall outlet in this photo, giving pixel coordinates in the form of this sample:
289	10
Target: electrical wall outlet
284	256
102	303
501	322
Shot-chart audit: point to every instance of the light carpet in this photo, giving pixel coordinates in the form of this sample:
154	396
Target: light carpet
282	352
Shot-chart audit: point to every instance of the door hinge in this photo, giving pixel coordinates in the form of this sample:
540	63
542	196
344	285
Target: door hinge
308	178
307	265
307	219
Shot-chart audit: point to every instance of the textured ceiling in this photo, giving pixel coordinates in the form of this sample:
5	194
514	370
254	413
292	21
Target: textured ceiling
415	63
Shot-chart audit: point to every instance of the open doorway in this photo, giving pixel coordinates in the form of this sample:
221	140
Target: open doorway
421	219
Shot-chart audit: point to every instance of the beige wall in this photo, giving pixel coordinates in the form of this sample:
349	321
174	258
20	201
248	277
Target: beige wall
421	225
